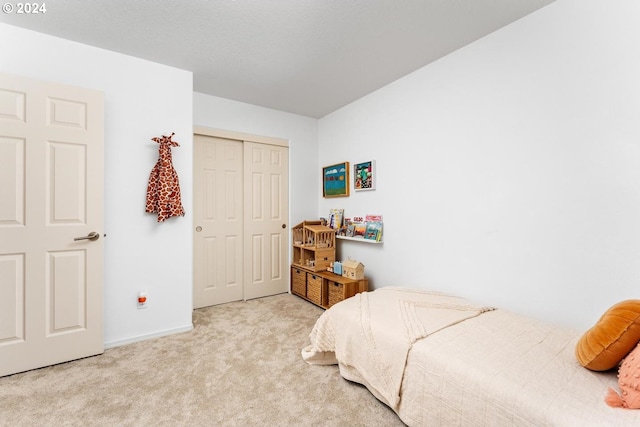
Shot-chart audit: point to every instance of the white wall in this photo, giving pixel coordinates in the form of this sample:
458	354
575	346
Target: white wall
142	100
509	171
300	131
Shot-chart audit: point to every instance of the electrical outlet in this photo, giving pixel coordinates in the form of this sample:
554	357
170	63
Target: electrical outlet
142	299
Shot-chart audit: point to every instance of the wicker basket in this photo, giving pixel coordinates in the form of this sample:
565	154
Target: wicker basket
299	282
336	293
314	288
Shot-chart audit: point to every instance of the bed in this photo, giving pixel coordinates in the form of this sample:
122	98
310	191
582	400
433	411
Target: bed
439	360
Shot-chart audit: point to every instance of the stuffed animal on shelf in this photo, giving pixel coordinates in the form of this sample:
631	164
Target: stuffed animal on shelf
629	382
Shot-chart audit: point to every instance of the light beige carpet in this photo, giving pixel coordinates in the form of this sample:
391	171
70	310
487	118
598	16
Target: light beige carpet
240	366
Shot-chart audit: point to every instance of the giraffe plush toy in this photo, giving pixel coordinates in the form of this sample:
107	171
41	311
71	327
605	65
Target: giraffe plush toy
629	382
163	190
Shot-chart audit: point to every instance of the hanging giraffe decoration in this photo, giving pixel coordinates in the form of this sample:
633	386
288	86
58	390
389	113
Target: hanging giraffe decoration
163	190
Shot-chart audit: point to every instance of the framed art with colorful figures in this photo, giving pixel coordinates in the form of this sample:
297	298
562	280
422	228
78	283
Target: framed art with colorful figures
364	176
335	180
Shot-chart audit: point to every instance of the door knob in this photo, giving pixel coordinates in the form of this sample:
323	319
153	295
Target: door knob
198	229
91	236
284	225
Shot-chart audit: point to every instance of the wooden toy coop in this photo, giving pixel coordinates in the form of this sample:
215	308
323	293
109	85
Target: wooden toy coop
314	245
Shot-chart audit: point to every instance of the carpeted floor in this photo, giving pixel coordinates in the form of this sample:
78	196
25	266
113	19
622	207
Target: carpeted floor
240	366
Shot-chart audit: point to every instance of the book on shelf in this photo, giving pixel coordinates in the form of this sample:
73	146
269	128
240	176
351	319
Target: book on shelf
350	230
373	231
373	227
368	227
354	227
335	218
359	229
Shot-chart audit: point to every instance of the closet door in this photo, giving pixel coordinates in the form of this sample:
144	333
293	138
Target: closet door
266	218
218	220
241	208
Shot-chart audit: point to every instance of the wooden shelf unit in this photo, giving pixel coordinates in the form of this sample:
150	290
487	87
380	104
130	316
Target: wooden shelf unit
323	288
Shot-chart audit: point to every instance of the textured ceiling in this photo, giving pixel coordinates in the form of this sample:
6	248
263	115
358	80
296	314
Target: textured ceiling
308	57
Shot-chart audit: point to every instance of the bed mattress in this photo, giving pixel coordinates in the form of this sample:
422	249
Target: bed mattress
494	368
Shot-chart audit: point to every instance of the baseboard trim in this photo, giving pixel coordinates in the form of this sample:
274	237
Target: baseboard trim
157	334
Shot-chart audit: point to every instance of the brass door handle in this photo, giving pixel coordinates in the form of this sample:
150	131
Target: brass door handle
91	236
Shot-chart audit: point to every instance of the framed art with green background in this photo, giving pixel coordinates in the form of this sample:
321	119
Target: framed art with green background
335	180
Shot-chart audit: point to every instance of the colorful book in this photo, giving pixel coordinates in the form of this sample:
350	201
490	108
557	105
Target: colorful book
373	231
335	218
359	229
351	229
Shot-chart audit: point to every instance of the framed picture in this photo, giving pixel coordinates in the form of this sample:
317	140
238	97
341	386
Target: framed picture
335	180
364	176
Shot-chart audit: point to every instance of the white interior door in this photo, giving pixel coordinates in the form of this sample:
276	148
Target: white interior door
51	192
217	188
266	194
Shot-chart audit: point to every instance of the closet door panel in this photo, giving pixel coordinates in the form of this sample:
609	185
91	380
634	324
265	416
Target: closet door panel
266	171
218	221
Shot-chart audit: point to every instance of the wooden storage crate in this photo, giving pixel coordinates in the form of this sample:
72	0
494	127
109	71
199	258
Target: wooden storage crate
314	288
299	282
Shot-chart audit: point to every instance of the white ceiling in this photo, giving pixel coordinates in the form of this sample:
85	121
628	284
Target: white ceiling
308	57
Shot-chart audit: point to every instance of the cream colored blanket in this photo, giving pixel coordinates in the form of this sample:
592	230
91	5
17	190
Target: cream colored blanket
376	346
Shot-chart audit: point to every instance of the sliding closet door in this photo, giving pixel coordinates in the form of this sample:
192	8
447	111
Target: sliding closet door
218	221
241	207
266	218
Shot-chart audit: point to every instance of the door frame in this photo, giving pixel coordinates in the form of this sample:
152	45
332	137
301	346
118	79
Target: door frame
239	136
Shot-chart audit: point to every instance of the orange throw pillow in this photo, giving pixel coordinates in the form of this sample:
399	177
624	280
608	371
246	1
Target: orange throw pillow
616	333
